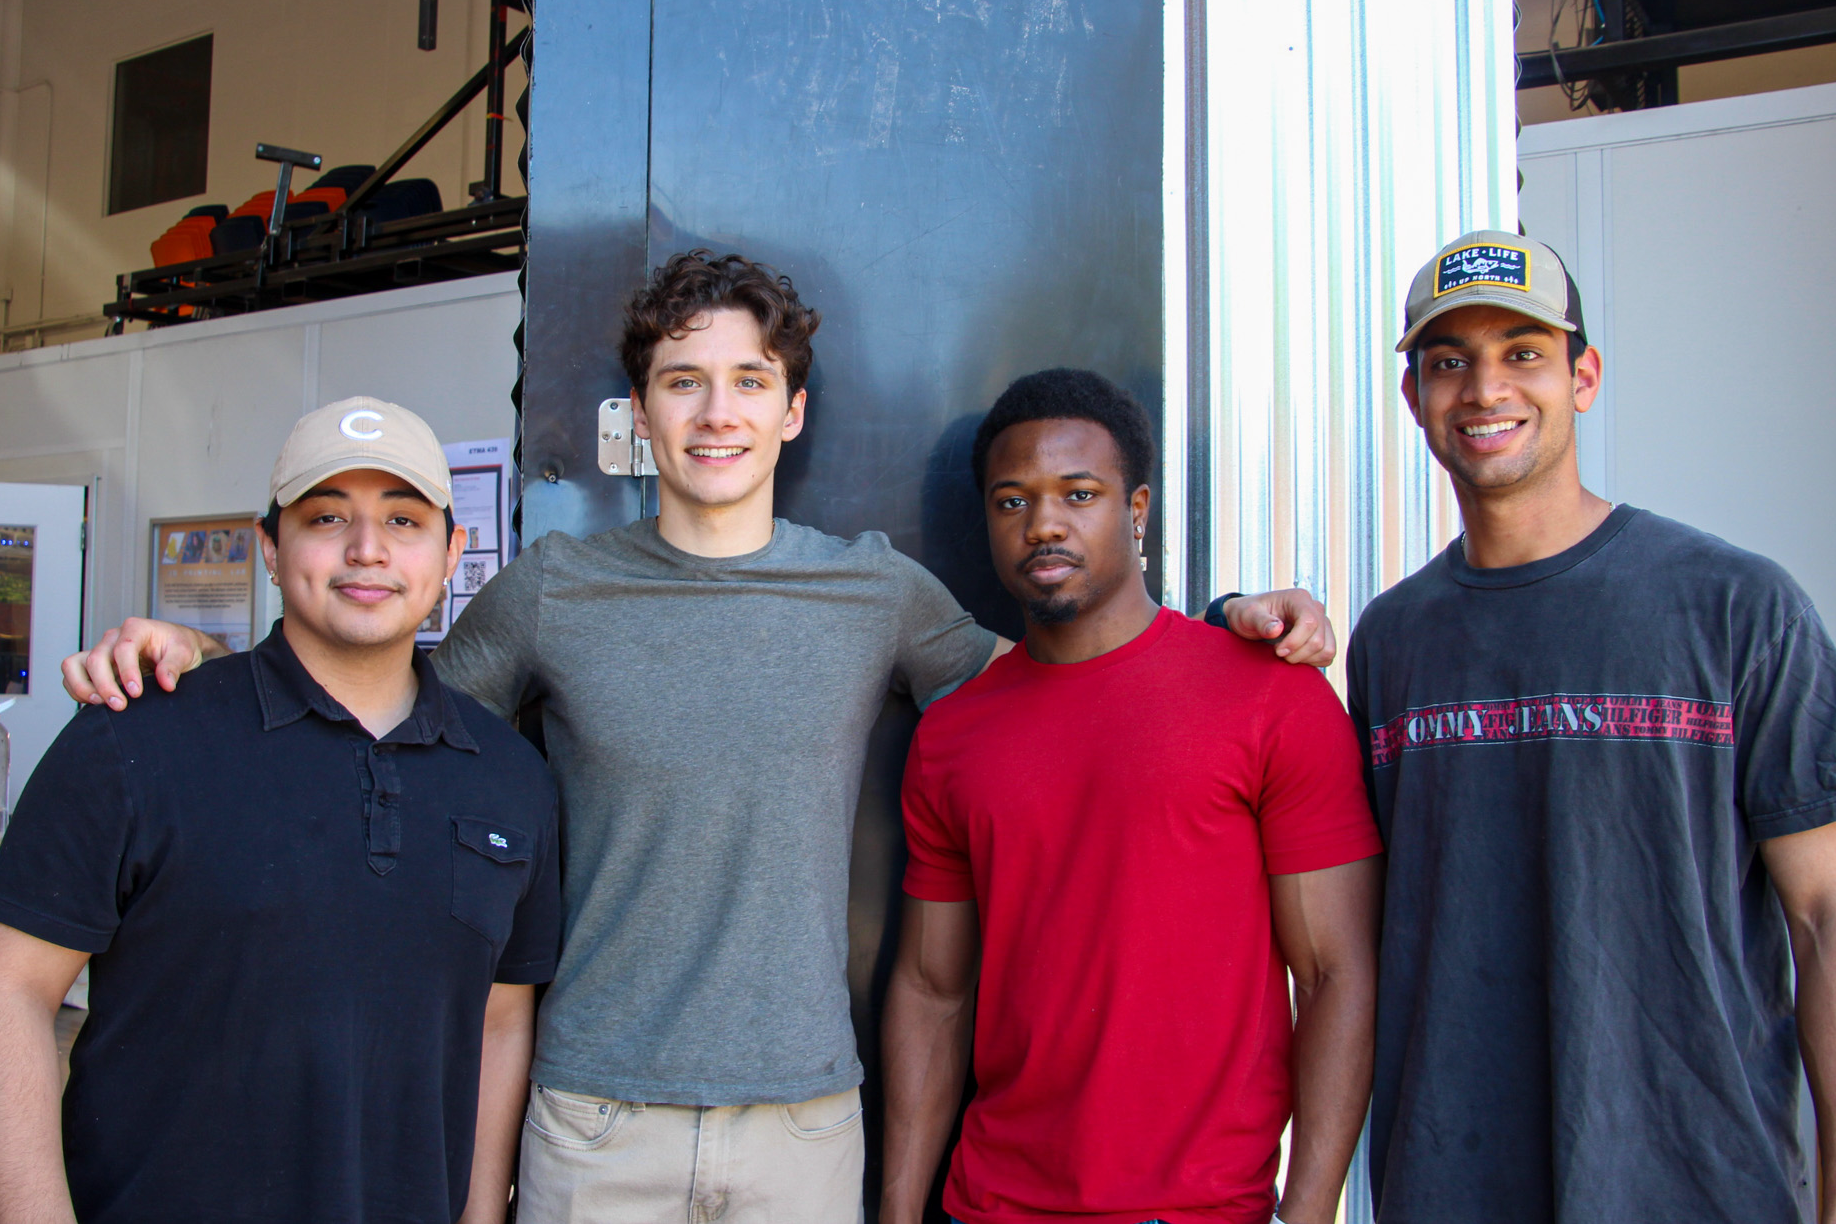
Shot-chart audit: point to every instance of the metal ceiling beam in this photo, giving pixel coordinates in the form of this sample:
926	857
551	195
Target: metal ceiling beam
1682	47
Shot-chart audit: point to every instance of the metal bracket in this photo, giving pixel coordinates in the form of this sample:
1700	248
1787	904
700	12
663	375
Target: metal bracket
621	451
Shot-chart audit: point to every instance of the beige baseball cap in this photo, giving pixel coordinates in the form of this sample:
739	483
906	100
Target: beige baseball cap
356	433
1492	268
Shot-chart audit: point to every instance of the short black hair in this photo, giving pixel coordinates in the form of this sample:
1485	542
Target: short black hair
1071	395
270	522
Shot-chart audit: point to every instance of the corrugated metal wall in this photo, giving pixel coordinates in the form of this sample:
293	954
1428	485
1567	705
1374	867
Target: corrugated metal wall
1318	151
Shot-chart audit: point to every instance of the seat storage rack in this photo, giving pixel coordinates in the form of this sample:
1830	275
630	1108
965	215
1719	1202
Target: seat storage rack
353	229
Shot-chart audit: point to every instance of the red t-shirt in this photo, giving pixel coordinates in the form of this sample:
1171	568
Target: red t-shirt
1116	822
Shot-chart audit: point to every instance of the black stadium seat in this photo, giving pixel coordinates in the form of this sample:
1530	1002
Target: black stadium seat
403	198
236	234
346	178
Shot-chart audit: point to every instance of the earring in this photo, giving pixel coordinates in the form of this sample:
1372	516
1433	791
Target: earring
273	578
1141	546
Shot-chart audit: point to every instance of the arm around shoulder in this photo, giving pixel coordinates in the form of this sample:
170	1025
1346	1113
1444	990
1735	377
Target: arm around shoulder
493	649
1293	616
940	645
110	672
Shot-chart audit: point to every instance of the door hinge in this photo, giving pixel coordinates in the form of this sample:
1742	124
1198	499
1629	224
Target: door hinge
621	451
83	536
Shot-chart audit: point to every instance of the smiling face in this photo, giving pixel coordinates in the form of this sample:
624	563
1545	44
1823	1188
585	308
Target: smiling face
361	560
717	410
1062	523
1496	398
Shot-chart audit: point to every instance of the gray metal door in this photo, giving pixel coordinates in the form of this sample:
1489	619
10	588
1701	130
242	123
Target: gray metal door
968	190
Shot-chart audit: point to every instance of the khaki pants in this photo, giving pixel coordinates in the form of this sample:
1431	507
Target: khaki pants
587	1160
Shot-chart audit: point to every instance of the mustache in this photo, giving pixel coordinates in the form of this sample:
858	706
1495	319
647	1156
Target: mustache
370	580
1049	550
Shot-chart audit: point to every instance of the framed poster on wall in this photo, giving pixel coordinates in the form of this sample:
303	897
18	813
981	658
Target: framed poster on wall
204	576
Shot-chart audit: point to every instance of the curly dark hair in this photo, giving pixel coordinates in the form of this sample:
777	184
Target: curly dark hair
1077	395
698	281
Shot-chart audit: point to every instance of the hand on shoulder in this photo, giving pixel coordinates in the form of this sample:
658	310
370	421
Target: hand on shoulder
1293	619
110	672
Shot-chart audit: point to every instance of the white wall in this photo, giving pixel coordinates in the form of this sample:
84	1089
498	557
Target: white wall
342	78
187	420
1700	238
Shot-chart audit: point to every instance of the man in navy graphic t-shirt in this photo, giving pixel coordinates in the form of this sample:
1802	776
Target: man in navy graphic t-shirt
1602	750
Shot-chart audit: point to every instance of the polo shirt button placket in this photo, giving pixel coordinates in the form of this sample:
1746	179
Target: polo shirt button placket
382	817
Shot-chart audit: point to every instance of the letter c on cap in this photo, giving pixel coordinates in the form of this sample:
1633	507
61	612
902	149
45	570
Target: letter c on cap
349	429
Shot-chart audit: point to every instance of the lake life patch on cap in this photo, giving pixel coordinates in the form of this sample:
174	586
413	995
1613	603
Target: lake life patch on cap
1483	265
1492	268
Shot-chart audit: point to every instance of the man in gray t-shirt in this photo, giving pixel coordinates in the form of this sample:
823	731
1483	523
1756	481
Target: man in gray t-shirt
708	680
709	820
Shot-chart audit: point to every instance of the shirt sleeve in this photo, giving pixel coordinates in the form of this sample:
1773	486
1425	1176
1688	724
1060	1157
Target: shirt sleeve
64	876
1785	732
937	863
940	645
490	651
1313	808
1357	705
534	948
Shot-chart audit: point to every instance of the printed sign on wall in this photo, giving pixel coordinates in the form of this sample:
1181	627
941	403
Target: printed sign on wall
483	488
204	576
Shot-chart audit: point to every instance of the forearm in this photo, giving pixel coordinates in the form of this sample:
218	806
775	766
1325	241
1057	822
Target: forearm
503	1093
1332	1058
926	1045
1816	964
32	1185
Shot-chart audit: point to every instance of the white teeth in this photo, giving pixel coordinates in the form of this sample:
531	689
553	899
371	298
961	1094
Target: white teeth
716	452
1486	431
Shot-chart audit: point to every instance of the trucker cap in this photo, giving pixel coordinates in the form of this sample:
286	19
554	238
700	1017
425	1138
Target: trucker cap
361	432
1492	268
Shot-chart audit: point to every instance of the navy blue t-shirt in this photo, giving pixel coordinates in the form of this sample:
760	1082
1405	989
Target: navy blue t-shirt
1585	1002
294	929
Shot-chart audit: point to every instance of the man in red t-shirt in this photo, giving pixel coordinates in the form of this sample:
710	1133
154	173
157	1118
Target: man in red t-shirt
1124	837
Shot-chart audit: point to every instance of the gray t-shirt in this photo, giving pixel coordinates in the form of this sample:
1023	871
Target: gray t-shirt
1585	1010
707	721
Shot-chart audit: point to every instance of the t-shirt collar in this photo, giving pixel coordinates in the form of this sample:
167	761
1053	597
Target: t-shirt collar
288	693
647	535
1136	645
1470	575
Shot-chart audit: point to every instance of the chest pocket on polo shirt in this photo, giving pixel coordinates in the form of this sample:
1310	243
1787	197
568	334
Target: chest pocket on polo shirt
490	867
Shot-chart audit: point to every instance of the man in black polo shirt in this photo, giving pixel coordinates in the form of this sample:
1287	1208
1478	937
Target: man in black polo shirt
315	887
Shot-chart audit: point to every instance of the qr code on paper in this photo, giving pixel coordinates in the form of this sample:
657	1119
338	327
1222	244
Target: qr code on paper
472	575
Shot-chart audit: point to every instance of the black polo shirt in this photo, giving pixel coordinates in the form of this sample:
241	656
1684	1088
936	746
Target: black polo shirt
295	927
